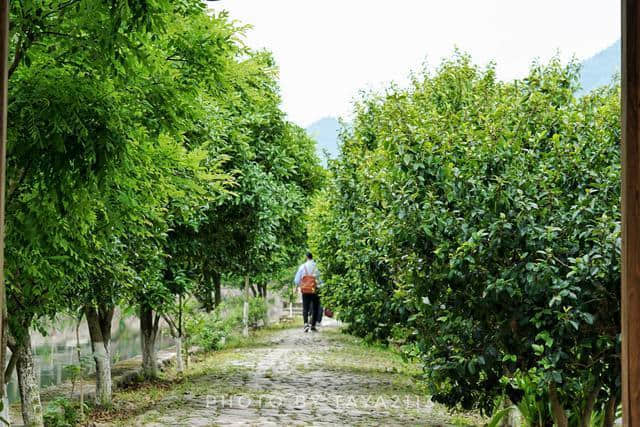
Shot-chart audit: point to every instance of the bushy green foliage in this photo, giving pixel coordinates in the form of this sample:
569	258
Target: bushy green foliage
257	310
147	153
478	221
209	331
62	413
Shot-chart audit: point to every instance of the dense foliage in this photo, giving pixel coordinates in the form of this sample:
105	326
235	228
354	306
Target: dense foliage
148	157
477	223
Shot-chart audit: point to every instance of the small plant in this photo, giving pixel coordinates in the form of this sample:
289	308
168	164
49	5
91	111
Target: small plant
257	310
62	413
210	331
74	373
207	331
214	333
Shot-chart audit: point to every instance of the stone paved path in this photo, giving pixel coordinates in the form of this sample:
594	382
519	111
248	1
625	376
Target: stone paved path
296	379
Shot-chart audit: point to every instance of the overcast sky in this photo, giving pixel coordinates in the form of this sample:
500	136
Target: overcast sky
329	49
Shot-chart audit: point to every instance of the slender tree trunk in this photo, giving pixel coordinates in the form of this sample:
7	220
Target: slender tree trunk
81	370
208	303
263	293
4	413
253	290
589	405
512	419
4	344
8	372
179	359
610	412
217	291
149	332
28	384
179	334
245	308
559	415
99	322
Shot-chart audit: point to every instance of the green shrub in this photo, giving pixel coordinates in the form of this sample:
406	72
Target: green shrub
484	217
214	333
210	331
257	310
206	330
62	413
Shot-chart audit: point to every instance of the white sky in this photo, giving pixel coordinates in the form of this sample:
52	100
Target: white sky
329	49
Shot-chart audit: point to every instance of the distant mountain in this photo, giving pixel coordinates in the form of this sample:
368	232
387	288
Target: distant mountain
599	70
325	132
596	71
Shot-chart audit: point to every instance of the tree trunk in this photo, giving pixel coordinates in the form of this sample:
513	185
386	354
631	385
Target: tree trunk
99	322
207	303
178	336
28	384
81	371
610	412
4	413
217	292
512	418
245	308
4	344
253	290
263	294
559	415
589	405
179	359
149	332
176	329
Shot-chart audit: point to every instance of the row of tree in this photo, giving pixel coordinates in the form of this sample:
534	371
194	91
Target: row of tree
148	158
476	222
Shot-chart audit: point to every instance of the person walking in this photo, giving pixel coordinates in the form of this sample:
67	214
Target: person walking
308	281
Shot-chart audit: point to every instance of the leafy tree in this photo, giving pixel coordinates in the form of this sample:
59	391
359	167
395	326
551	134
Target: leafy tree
88	115
477	222
130	120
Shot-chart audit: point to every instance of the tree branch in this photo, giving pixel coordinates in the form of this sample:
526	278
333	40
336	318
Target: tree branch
156	324
10	367
17	57
172	325
13	186
61	7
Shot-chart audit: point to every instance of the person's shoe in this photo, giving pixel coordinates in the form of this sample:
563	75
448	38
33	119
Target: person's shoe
306	328
313	329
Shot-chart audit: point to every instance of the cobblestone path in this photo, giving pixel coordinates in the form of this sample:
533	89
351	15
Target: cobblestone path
297	378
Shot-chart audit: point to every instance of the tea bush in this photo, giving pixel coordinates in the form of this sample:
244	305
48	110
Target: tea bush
478	222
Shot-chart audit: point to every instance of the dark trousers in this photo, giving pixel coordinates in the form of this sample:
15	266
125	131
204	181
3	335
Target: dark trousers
310	304
319	311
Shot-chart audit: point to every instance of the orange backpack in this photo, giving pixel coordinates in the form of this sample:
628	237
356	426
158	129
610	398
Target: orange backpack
308	283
